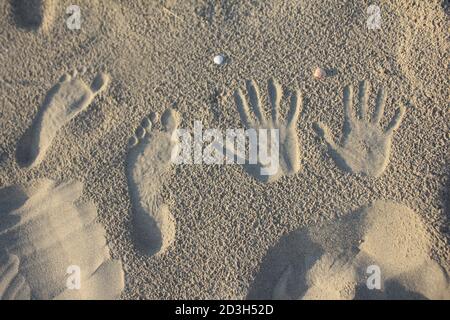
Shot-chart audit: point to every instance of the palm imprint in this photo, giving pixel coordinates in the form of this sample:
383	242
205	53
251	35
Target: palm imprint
289	148
366	145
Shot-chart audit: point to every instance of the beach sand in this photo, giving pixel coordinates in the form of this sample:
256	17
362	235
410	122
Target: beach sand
215	228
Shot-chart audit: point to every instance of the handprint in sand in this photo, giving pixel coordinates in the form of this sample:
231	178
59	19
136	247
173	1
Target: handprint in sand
366	145
288	142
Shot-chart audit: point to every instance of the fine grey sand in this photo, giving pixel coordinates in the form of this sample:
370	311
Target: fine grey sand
217	225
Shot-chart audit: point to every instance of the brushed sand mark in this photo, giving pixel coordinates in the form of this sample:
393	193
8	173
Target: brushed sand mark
13	286
63	102
366	146
148	166
43	231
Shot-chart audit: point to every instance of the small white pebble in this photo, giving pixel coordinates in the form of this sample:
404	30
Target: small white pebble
320	73
219	59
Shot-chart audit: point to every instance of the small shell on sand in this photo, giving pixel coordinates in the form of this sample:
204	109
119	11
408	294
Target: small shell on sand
219	59
320	73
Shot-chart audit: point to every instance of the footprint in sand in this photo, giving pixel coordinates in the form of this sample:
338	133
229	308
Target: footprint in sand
148	166
366	147
63	102
330	260
289	146
44	230
33	14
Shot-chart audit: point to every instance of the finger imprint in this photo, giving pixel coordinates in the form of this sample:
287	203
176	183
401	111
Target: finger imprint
255	101
242	107
363	97
275	95
379	106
